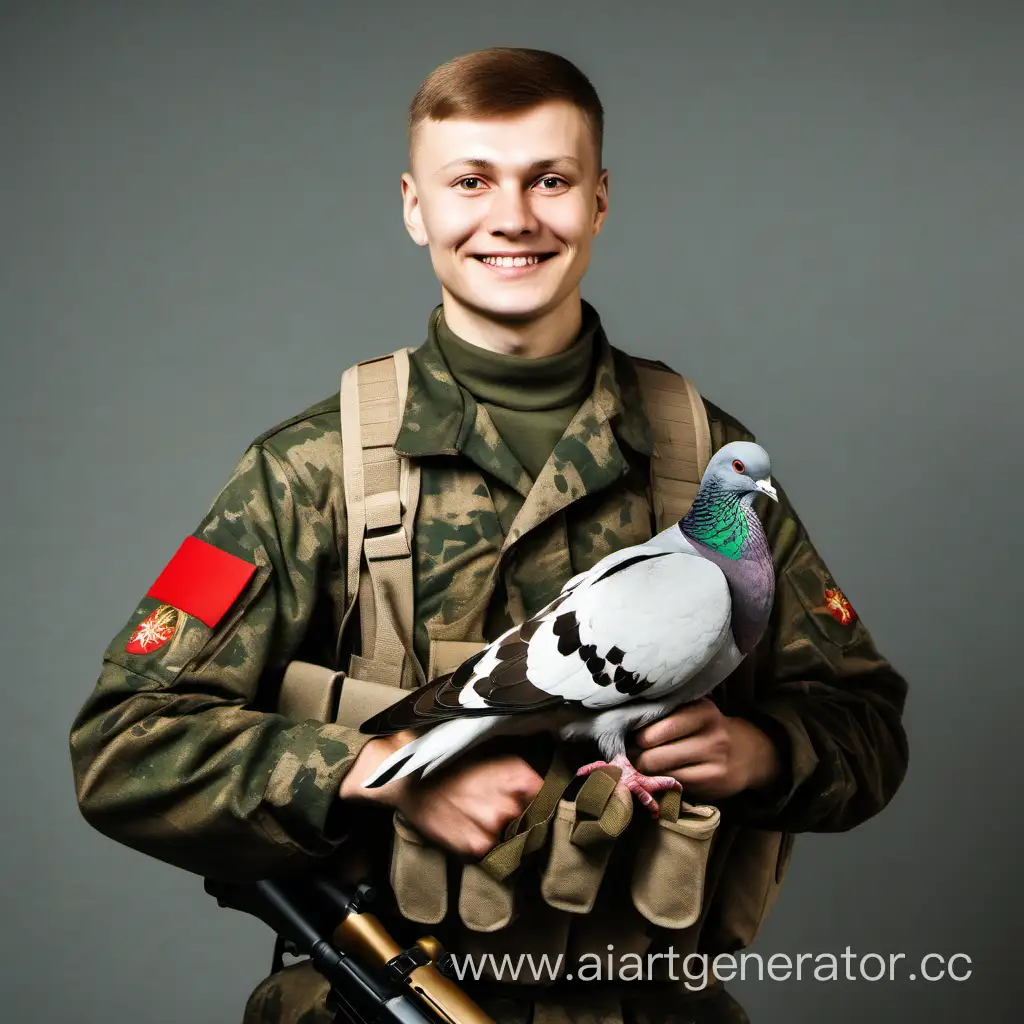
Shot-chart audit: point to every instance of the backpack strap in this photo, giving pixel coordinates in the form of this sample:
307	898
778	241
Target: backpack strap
381	494
682	438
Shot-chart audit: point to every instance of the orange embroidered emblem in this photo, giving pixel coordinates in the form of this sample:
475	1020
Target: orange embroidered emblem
154	630
838	607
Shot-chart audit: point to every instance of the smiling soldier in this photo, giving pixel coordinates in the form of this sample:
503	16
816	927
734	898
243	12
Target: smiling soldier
446	494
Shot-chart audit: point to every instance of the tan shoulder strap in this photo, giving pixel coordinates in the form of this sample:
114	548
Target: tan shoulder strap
682	439
381	493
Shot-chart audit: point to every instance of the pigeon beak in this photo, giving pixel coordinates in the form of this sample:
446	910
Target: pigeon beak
765	486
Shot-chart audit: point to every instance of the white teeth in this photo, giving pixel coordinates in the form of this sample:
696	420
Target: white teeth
511	261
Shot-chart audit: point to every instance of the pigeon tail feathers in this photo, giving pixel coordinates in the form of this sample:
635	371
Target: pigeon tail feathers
432	749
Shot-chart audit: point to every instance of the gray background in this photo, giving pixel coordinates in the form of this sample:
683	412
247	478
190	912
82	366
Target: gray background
815	212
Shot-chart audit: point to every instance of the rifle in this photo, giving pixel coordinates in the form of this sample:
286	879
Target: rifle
373	980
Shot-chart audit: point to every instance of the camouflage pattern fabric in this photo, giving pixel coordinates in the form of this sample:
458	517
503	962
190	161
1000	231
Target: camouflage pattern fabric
178	753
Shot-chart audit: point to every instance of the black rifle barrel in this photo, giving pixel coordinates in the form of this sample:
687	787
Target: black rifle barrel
363	997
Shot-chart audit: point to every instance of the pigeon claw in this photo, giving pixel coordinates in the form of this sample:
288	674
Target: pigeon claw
641	786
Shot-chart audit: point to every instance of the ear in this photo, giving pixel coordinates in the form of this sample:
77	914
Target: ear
601	196
412	213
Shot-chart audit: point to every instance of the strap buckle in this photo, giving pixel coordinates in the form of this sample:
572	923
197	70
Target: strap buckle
386	542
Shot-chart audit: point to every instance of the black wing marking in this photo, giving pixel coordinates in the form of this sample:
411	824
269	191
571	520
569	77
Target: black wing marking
507	689
567	628
627	562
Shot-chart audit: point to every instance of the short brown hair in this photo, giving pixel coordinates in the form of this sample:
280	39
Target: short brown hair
504	80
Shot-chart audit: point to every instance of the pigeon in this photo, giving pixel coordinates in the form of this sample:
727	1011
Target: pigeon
646	629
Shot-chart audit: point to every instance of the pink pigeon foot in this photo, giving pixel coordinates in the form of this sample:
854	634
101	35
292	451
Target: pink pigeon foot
642	786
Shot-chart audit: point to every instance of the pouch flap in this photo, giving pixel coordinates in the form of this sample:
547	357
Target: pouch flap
419	877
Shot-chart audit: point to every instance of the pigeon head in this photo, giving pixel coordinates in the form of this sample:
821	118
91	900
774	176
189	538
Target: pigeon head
721	517
740	468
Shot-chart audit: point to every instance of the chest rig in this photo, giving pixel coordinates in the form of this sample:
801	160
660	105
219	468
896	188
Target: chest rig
568	840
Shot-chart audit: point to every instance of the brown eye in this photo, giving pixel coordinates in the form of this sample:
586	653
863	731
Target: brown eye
737	465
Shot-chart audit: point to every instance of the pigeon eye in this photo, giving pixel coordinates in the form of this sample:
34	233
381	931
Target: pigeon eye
737	465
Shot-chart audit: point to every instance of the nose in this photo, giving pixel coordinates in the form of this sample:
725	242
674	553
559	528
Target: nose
511	213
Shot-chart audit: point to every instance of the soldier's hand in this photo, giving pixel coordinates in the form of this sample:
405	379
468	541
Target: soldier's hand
463	808
711	754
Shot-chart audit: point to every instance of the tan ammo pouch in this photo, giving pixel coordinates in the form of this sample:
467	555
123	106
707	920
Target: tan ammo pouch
419	876
583	834
671	862
313	691
671	858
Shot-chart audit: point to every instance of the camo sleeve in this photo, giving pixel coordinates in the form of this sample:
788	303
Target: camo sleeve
170	754
832	704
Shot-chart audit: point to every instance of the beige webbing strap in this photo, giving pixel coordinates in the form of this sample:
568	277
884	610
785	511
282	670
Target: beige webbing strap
669	802
487	889
583	834
599	814
528	832
381	493
682	441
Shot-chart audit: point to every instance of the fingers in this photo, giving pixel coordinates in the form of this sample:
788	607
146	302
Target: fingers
688	720
704	781
474	842
463	837
476	833
495	816
507	775
670	757
468	809
524	783
710	745
707	773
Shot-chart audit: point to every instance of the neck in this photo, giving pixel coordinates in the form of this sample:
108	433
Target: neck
727	531
717	521
544	335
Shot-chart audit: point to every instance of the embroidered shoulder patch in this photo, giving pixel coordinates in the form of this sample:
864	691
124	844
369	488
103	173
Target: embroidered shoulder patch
154	630
201	580
838	607
825	608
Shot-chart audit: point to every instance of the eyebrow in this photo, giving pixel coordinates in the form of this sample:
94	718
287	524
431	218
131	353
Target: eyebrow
480	164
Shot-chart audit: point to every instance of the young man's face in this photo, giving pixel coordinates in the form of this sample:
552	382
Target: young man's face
521	186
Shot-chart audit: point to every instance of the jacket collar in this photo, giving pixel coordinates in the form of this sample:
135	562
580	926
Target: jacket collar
440	417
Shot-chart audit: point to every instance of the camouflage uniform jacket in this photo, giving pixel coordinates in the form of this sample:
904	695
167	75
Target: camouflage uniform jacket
177	752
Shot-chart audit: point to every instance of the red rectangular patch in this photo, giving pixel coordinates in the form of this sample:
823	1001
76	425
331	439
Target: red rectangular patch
202	580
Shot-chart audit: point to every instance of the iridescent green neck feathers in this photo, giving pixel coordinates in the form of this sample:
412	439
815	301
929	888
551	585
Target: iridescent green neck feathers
718	519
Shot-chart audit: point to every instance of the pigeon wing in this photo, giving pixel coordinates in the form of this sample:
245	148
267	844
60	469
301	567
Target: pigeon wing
643	629
499	687
647	619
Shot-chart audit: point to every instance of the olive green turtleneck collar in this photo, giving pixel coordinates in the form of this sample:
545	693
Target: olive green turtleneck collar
530	401
518	382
